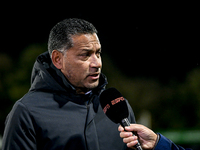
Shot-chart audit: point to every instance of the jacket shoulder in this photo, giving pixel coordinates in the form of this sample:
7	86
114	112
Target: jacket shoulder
33	98
18	126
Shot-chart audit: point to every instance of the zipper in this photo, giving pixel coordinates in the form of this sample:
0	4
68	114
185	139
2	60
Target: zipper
87	103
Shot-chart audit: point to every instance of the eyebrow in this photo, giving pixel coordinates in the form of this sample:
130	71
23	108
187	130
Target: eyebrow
91	50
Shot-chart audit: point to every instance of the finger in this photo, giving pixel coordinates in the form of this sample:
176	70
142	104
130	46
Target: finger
134	127
130	139
130	128
120	129
132	144
125	134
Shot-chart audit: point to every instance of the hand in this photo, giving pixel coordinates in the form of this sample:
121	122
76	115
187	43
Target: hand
146	136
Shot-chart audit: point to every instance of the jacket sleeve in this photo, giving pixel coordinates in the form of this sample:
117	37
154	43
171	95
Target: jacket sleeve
131	113
167	144
19	132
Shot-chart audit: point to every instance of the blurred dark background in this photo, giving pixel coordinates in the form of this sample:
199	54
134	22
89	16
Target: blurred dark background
150	54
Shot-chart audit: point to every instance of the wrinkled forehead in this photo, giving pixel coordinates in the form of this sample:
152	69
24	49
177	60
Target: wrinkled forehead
86	40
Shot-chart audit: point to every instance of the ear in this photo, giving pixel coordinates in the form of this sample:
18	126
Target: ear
57	59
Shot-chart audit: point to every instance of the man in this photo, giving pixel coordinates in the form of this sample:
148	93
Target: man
61	110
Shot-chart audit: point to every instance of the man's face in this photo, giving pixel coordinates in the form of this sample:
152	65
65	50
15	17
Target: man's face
82	63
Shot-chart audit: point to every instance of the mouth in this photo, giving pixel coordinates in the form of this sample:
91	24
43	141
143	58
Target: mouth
94	76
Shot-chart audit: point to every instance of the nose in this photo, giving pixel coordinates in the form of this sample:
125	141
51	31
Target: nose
95	63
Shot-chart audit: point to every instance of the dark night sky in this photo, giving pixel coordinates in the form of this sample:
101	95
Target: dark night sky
151	40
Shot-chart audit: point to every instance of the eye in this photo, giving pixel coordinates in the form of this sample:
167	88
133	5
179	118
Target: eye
98	53
85	54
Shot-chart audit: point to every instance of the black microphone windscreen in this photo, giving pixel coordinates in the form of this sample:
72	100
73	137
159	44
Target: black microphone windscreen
114	105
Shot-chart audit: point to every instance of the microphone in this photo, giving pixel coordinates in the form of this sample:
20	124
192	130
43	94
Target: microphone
115	108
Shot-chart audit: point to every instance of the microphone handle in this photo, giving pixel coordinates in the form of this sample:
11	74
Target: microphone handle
125	122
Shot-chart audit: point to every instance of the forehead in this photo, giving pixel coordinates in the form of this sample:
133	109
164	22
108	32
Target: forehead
86	40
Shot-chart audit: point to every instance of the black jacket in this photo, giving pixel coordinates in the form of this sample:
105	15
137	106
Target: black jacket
52	116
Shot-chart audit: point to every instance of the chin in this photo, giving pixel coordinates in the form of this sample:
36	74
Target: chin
92	85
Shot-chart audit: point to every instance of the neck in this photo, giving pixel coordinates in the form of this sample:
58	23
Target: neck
82	90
